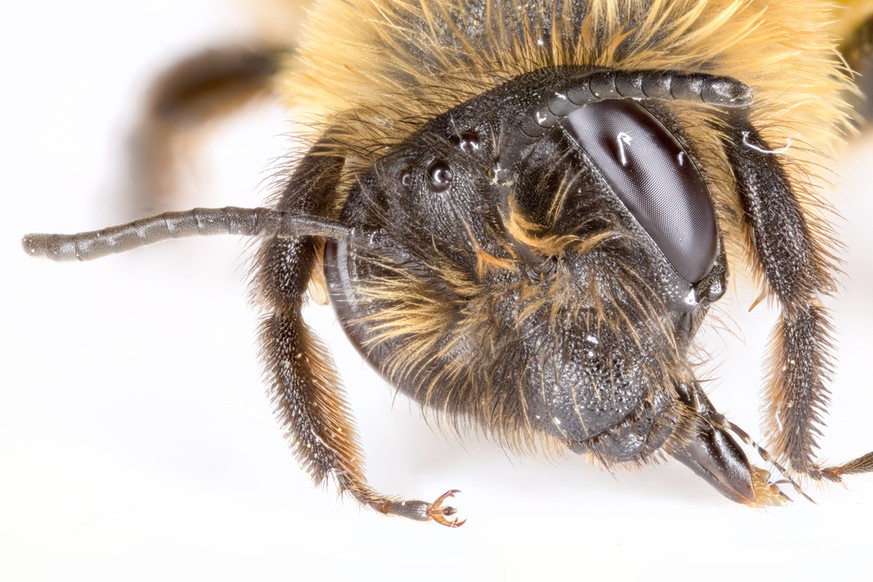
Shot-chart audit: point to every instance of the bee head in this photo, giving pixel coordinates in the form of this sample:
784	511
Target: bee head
553	224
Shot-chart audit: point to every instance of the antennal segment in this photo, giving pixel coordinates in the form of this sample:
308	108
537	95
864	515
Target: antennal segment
639	85
94	244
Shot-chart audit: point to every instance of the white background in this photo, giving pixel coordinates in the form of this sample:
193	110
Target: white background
136	441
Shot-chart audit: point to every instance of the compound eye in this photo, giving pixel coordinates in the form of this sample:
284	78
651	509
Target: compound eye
439	175
655	178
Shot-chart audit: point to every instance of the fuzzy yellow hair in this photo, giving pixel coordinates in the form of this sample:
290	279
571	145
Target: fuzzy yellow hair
375	69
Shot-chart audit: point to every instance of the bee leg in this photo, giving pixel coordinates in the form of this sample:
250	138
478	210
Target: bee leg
711	452
798	271
182	102
309	399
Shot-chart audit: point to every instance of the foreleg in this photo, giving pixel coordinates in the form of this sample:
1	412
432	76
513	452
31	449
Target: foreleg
798	271
303	383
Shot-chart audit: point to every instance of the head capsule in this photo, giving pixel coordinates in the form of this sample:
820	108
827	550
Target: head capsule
549	266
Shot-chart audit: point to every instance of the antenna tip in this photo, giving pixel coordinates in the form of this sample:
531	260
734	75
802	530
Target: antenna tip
33	244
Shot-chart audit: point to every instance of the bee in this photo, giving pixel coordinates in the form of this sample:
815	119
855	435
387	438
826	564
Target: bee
522	214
